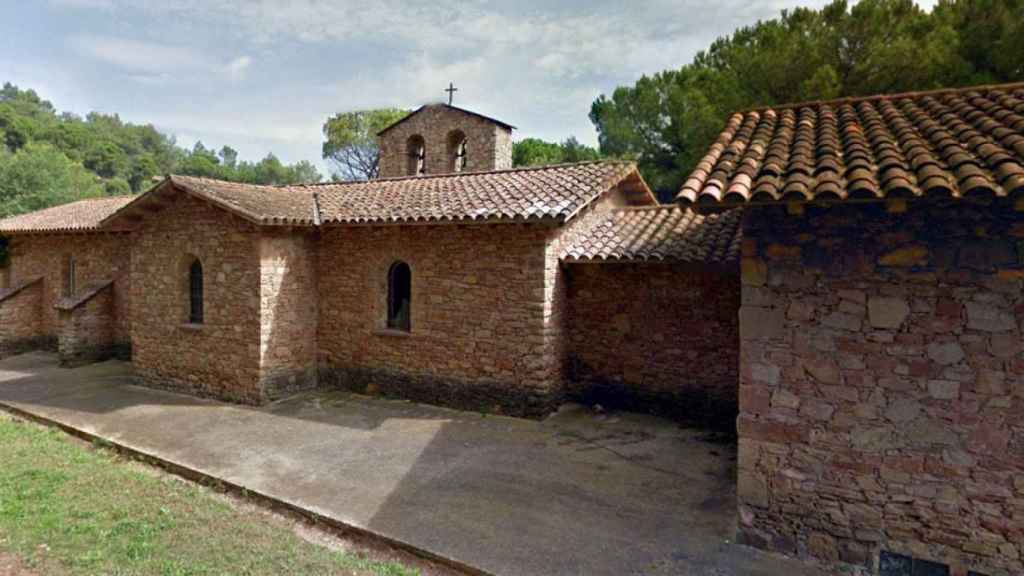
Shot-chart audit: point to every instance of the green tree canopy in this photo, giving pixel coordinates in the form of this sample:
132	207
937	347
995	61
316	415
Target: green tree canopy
120	153
667	121
38	176
537	152
350	144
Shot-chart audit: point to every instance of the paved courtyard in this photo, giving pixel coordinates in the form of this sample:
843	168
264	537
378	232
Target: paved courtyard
579	493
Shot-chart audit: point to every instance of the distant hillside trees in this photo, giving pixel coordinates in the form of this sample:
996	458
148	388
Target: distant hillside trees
537	152
48	158
668	120
39	175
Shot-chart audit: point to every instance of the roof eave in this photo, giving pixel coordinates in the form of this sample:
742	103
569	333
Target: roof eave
629	169
200	195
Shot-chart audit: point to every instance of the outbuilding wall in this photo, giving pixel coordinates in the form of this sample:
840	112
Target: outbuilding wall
21	320
221	356
98	257
882	384
479	306
655	337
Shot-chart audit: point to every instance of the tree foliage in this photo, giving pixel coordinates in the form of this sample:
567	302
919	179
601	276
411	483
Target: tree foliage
48	158
667	121
39	175
537	152
350	144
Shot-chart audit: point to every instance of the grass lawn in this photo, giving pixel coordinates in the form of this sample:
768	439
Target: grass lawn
66	508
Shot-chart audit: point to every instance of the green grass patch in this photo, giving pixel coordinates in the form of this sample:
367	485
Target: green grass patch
69	509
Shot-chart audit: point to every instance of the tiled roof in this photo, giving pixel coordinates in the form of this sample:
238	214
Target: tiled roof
289	205
953	143
79	216
548	193
524	194
662	233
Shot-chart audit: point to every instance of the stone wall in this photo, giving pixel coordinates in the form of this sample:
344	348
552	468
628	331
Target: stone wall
221	356
21	326
656	337
86	332
882	385
288	318
479	310
98	257
489	146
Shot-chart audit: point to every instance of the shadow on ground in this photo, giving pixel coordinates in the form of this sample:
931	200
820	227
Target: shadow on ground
579	493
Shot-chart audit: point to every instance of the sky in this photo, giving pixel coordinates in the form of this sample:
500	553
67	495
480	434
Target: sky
263	75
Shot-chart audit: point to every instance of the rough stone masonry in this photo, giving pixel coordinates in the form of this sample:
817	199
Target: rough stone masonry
882	385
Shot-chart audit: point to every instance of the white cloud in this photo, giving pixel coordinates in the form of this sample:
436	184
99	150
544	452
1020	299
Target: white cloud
83	4
139	56
237	68
538	64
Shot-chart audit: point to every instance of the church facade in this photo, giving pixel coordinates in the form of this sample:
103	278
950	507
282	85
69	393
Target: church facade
452	279
844	280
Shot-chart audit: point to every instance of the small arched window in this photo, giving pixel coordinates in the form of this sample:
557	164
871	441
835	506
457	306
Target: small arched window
416	149
457	151
69	276
195	292
399	296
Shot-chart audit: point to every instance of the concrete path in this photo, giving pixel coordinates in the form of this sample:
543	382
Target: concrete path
576	494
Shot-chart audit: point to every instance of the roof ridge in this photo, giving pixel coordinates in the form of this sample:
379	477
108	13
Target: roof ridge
91	199
515	169
449	106
882	97
658	206
462	174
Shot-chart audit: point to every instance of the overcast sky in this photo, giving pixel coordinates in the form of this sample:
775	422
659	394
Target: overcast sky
262	76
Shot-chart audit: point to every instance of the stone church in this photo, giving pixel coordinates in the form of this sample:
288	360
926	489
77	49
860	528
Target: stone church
844	280
452	279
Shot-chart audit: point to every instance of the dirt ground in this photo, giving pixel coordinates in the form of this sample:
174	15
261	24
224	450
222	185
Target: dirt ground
10	566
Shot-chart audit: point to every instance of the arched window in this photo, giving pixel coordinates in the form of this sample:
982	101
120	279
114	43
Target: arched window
195	292
69	276
399	296
416	149
457	151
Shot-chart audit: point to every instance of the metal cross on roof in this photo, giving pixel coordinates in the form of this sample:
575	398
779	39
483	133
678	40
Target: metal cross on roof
451	90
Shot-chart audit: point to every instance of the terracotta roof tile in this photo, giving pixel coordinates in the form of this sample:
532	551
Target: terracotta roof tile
662	233
289	205
80	216
954	143
549	193
523	194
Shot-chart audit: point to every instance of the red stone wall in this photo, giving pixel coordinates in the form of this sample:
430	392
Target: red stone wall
221	357
98	257
288	300
478	315
488	146
882	385
21	326
656	337
86	331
